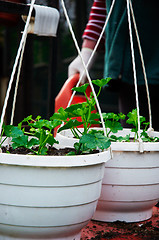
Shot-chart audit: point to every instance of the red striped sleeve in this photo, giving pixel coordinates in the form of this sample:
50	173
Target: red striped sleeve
96	21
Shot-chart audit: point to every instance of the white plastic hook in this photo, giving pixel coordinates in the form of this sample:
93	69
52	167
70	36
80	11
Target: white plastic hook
45	22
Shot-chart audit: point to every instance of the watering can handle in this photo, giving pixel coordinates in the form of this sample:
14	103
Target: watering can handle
65	93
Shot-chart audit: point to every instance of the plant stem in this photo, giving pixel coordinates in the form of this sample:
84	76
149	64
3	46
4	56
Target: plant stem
75	133
43	143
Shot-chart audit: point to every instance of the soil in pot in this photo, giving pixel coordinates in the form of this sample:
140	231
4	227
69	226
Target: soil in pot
52	151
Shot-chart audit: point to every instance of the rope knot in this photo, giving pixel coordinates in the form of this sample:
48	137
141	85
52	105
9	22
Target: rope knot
141	146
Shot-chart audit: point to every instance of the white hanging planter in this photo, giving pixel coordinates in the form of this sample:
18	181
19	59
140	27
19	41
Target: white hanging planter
48	197
130	185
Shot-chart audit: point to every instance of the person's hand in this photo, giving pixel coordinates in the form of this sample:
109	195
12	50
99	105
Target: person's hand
77	66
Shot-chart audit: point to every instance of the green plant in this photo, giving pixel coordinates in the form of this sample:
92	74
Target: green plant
88	140
9	131
133	120
113	125
37	134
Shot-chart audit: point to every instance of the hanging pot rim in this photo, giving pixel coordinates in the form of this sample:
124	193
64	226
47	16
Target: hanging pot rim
121	146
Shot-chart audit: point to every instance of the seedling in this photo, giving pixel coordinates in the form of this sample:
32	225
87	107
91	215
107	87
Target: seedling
113	125
88	141
133	119
112	122
39	133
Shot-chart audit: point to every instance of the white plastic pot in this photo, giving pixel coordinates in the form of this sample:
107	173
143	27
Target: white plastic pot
48	197
130	185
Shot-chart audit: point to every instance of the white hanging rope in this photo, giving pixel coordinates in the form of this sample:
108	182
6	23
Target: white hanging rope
17	82
134	68
94	50
22	42
79	53
85	67
143	65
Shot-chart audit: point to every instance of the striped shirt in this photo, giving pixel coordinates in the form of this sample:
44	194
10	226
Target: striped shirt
96	21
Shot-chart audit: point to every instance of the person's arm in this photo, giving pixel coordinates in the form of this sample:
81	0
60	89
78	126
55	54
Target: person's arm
87	43
90	36
96	21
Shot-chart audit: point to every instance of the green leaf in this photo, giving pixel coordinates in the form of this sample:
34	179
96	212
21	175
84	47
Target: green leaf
113	126
71	111
114	138
94	116
134	129
51	140
46	124
43	136
12	131
121	116
81	89
43	151
70	124
93	131
81	148
71	153
79	112
101	82
55	123
125	139
95	122
20	141
94	141
32	142
42	123
27	119
146	138
38	118
133	118
109	116
113	116
60	115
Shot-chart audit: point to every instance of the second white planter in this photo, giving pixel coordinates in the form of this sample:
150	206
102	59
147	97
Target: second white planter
130	185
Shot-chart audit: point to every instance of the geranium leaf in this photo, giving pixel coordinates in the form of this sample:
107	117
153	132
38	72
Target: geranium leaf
20	141
51	140
43	151
81	89
60	115
70	124
12	131
94	141
32	142
101	82
113	126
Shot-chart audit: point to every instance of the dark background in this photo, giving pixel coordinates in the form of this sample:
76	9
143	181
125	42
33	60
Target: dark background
45	62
